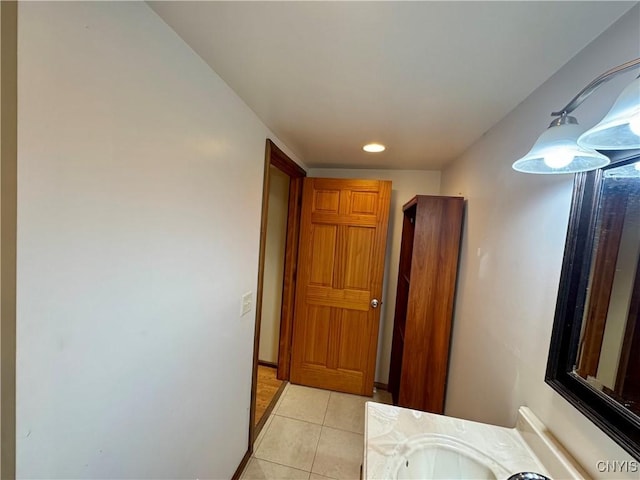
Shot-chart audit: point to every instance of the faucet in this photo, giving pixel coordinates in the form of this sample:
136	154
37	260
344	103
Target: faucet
528	476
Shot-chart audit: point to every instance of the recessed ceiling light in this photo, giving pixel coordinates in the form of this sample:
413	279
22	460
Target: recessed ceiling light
374	147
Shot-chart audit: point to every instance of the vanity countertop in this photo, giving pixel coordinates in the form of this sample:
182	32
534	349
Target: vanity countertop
392	433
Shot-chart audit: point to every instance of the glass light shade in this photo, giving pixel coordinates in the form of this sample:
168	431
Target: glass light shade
620	128
556	151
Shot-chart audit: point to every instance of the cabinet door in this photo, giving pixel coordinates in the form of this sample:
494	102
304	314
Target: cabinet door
402	298
434	265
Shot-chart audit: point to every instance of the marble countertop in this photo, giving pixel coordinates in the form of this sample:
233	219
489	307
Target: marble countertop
391	432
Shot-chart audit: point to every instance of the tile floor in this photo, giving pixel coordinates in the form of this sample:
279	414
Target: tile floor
311	434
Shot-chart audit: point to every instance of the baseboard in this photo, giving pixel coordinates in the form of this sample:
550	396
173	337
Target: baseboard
381	386
267	364
243	464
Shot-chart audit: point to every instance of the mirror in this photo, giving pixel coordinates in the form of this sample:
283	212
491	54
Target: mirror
594	359
609	349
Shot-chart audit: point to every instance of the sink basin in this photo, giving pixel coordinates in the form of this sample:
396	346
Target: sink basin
401	443
442	457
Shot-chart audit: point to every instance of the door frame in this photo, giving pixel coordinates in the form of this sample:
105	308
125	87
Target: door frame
274	156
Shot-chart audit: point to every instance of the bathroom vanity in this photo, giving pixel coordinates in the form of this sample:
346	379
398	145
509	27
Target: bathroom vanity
408	444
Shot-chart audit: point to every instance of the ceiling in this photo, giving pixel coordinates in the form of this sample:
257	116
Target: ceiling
426	79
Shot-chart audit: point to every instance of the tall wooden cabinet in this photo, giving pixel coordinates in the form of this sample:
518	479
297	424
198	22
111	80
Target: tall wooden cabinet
424	301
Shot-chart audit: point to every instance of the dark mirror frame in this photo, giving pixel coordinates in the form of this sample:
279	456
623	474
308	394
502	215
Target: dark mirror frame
615	420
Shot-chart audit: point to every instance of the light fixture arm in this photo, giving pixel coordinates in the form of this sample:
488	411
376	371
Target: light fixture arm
589	89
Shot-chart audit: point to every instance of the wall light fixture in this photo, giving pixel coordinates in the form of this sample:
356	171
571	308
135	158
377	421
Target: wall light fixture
564	148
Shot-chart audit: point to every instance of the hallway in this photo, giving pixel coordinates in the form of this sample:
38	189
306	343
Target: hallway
312	434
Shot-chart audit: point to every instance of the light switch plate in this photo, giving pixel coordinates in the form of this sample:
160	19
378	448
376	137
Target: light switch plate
246	303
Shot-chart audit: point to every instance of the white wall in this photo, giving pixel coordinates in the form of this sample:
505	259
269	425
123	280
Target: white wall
405	185
512	254
274	265
140	175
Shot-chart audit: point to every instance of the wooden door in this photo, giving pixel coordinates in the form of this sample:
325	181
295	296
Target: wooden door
628	377
343	234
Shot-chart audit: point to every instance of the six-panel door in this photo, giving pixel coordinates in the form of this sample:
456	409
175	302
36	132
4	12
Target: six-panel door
340	269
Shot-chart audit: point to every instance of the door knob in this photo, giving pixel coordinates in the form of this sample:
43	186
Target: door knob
375	302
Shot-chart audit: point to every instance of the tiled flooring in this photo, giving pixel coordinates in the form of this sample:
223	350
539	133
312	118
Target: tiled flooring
312	434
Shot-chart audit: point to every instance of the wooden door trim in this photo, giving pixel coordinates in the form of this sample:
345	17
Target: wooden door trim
276	157
289	277
604	269
281	161
631	337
